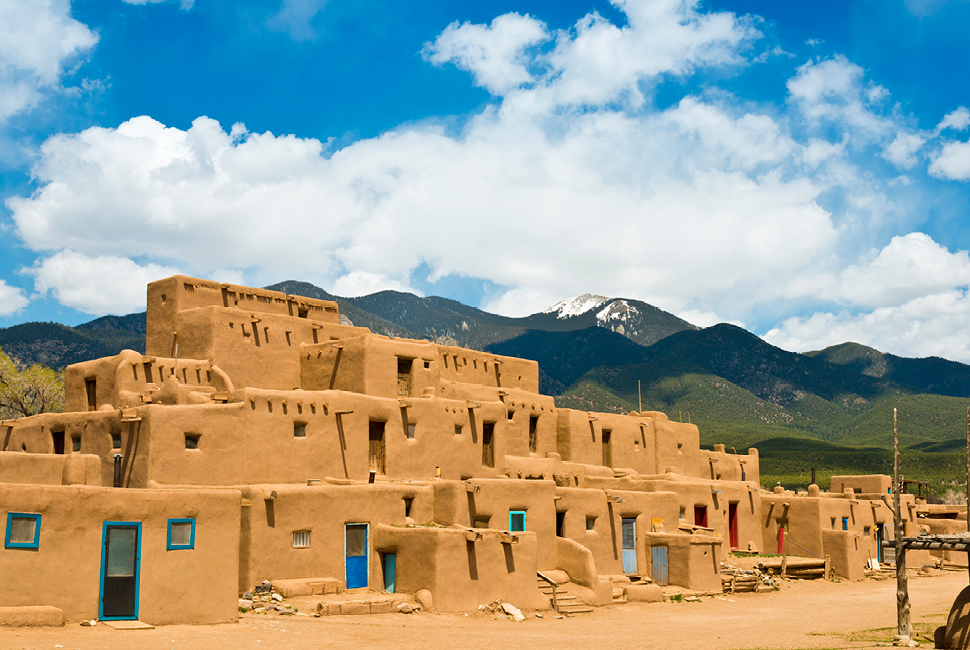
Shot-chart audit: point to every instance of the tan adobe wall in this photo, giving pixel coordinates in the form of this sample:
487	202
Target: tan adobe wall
178	586
464	569
180	293
474	367
129	379
866	484
49	469
324	510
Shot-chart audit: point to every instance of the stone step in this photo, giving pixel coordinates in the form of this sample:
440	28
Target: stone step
577	608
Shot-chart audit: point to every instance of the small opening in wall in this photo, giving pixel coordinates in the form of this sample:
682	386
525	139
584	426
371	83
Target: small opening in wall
299	430
76	443
164	298
192	440
511	414
408	502
198	376
427	364
301	539
410	431
303	312
481	522
58	438
560	524
590	523
457	429
116	440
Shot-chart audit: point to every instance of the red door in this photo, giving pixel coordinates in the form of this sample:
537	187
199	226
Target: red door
733	524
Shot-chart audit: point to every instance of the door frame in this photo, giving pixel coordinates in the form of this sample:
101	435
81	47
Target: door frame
104	547
623	549
367	553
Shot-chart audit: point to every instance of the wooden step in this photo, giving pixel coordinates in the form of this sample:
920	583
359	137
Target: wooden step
577	608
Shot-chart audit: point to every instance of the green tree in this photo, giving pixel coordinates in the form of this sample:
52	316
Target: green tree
28	391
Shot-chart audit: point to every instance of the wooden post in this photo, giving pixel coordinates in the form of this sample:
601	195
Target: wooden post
968	482
904	624
640	402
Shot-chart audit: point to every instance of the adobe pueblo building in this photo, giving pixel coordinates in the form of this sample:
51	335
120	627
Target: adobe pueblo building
261	439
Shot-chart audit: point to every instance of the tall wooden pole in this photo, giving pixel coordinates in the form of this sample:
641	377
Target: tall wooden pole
968	479
904	624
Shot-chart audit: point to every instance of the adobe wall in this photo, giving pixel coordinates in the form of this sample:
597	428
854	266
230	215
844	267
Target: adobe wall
178	586
323	509
693	560
131	379
464	569
180	293
474	367
869	484
49	469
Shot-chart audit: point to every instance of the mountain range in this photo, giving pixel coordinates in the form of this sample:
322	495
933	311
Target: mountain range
619	354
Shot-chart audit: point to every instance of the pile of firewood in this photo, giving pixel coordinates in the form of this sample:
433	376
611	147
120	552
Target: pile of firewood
796	567
735	580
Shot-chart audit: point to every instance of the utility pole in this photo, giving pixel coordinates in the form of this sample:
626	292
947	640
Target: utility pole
904	624
640	400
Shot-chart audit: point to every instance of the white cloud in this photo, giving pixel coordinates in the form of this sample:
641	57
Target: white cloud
907	267
96	285
953	162
957	120
834	90
705	318
495	54
902	151
295	17
185	5
931	325
12	299
39	41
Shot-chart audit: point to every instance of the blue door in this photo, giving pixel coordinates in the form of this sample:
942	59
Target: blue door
389	563
355	542
630	546
120	563
879	537
659	557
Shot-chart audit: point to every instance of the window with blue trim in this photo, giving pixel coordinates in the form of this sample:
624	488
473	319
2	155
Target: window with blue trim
181	534
516	521
23	530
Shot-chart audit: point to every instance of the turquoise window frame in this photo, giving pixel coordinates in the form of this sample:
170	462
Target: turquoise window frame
22	515
512	513
180	547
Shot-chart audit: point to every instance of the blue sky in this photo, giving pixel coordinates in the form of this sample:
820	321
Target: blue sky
800	169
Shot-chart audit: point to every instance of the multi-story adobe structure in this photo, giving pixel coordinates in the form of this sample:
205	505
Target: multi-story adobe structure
259	438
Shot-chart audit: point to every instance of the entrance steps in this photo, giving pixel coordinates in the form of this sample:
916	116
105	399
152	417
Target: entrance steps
566	603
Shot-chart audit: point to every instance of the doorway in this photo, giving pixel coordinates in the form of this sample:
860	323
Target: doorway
630	546
376	447
658	556
120	563
355	543
700	516
733	524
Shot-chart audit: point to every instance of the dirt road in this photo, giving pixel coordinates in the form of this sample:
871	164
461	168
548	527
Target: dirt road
812	614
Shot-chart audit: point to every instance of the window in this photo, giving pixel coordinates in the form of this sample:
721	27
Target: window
700	516
301	539
607	449
191	440
57	437
590	523
560	524
408	502
23	530
299	430
410	431
511	414
376	447
404	376
457	429
516	521
181	534
488	444
867	531
533	433
76	443
845	523
91	389
116	440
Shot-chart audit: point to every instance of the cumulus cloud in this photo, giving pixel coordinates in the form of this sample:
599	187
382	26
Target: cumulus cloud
39	41
957	120
902	151
908	267
932	325
953	162
96	285
494	54
12	299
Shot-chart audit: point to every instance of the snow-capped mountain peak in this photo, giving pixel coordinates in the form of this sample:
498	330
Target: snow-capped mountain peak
616	310
576	306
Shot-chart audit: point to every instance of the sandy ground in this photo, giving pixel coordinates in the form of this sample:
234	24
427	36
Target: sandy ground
812	614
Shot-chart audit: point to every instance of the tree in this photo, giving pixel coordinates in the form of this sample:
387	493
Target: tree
29	391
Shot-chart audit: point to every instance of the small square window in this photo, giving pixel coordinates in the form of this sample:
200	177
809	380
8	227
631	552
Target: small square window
511	414
116	440
590	523
301	539
516	520
299	430
427	364
181	534
867	532
410	432
457	429
23	530
192	440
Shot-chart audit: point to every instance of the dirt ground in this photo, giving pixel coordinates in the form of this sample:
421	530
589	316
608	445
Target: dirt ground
811	614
